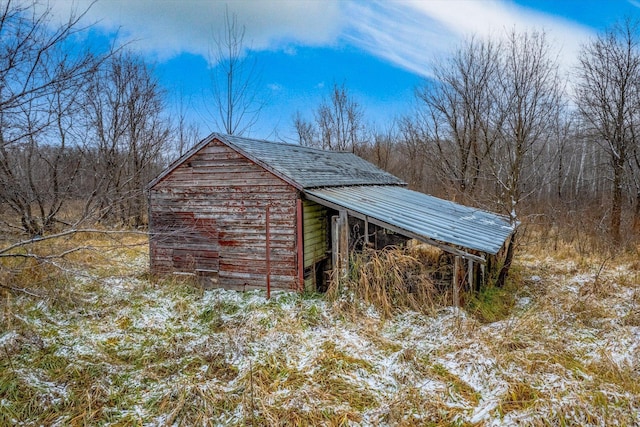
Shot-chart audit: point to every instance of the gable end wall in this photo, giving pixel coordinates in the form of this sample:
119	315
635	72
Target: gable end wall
209	214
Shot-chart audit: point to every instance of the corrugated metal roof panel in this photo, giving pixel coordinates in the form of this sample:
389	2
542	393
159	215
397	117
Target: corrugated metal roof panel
424	215
310	167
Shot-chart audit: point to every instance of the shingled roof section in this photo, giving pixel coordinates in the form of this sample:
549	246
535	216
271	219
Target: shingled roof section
311	167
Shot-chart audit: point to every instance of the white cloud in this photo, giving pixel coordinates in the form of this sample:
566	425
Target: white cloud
169	27
412	33
407	33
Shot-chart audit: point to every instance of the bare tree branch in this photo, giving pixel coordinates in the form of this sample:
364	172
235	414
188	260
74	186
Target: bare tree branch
235	80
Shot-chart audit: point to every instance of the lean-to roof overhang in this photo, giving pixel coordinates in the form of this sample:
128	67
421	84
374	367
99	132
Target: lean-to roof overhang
427	218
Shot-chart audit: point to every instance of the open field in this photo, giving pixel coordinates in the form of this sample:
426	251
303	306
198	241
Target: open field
106	345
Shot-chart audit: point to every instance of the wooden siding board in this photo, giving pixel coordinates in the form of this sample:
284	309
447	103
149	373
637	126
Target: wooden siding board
194	182
205	188
315	232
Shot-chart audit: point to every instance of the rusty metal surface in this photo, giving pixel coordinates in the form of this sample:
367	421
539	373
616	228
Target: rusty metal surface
423	215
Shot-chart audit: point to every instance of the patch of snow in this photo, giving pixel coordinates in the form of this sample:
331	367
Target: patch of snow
8	338
581	279
523	302
53	393
154	317
483	410
623	349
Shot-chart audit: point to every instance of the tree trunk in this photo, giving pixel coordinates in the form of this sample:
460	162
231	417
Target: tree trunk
616	202
636	216
504	271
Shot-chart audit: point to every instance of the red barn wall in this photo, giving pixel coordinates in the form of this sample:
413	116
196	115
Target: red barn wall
209	214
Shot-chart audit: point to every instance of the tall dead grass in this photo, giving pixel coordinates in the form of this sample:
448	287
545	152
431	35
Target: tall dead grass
576	235
44	268
392	280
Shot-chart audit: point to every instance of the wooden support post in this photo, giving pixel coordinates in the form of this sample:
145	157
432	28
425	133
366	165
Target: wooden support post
366	232
300	244
335	249
456	284
268	254
344	244
470	275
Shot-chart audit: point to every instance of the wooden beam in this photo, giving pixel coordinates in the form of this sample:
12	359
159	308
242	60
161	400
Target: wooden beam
456	284
300	243
333	206
344	243
335	239
268	254
366	231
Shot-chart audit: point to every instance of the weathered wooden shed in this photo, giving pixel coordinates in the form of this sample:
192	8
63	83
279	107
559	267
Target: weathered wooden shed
243	213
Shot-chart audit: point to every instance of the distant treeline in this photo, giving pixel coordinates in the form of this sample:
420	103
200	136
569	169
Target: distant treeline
83	129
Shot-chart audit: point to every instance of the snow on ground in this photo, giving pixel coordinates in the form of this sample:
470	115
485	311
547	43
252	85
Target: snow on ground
136	352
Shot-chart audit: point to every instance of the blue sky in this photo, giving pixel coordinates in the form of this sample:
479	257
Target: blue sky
381	50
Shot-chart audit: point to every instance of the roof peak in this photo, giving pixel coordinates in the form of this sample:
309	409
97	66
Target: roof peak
306	167
303	167
222	136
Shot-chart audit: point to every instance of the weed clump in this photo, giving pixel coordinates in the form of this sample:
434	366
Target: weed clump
392	280
490	304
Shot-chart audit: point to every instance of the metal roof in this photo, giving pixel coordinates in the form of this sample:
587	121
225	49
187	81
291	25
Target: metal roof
311	167
421	215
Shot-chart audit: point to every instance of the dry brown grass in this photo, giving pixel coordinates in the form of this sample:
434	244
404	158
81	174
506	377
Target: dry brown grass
520	396
132	351
392	280
44	268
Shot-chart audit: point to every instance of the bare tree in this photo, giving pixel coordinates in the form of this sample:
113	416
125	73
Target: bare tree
487	118
634	173
125	109
34	63
462	114
38	177
235	80
607	95
413	146
531	102
305	130
339	123
185	134
41	82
